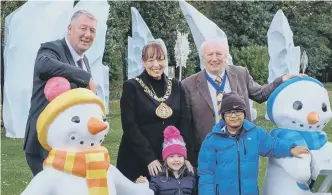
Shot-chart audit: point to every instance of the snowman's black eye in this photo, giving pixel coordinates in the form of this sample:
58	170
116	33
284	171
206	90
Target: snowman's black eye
324	107
297	105
75	119
104	118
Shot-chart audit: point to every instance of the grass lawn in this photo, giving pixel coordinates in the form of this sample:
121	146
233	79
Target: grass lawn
15	174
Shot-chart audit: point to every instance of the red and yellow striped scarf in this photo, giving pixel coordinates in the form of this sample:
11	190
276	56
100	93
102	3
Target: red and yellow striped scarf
92	165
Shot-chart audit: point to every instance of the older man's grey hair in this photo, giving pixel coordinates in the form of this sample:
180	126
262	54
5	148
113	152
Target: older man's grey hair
80	12
213	41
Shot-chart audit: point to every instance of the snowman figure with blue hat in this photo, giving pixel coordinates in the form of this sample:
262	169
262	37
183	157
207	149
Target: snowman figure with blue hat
300	107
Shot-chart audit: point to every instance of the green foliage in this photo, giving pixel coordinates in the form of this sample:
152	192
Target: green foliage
116	38
255	58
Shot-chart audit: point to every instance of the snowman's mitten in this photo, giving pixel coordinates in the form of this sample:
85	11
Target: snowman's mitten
314	168
314	174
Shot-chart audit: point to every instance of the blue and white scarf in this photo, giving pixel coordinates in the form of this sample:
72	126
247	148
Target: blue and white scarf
313	140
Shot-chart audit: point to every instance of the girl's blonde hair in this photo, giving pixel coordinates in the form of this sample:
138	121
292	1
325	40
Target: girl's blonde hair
167	169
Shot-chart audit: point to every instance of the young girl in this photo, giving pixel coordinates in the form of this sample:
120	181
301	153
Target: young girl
175	177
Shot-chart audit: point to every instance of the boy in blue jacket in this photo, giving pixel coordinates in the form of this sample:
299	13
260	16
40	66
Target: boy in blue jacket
228	160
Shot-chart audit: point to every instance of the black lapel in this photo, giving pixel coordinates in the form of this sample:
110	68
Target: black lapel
67	52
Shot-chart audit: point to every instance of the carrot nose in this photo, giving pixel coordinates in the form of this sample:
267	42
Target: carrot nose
95	125
313	118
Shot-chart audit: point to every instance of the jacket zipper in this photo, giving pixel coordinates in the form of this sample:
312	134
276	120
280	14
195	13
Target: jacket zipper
238	165
238	156
245	148
179	187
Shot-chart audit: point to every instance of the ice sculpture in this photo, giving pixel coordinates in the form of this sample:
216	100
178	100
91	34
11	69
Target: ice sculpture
141	35
106	87
27	27
253	111
202	28
100	9
284	57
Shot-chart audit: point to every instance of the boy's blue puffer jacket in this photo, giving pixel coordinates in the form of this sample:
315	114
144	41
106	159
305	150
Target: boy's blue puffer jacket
227	166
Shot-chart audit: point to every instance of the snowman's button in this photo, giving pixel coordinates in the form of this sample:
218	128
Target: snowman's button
81	142
92	144
324	107
72	138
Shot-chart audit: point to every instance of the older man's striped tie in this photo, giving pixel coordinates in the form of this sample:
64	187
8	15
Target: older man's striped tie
219	96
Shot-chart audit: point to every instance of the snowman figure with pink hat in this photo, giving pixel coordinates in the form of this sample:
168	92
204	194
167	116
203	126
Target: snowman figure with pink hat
72	128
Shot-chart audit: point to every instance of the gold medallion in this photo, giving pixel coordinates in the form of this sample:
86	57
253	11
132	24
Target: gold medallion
219	97
163	111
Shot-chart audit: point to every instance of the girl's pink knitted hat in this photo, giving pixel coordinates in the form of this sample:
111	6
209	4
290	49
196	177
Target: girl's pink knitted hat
173	143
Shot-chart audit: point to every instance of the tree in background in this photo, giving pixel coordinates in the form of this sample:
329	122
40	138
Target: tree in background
256	59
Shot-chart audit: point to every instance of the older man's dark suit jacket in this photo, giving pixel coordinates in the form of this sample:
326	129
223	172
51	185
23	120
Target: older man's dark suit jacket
199	99
53	59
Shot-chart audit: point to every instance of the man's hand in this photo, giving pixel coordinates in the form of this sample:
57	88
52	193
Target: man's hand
154	168
92	86
289	76
298	150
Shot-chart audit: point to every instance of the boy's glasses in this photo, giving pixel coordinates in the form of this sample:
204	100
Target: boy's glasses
235	112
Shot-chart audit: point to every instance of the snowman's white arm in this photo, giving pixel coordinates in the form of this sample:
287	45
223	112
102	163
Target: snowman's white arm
298	168
126	187
41	184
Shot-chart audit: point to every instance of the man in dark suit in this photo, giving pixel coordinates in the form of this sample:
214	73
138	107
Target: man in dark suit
204	90
63	58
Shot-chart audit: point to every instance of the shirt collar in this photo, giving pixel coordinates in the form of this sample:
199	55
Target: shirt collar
76	57
214	76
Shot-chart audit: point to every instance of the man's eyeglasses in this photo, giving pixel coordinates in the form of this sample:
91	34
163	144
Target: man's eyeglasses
236	112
